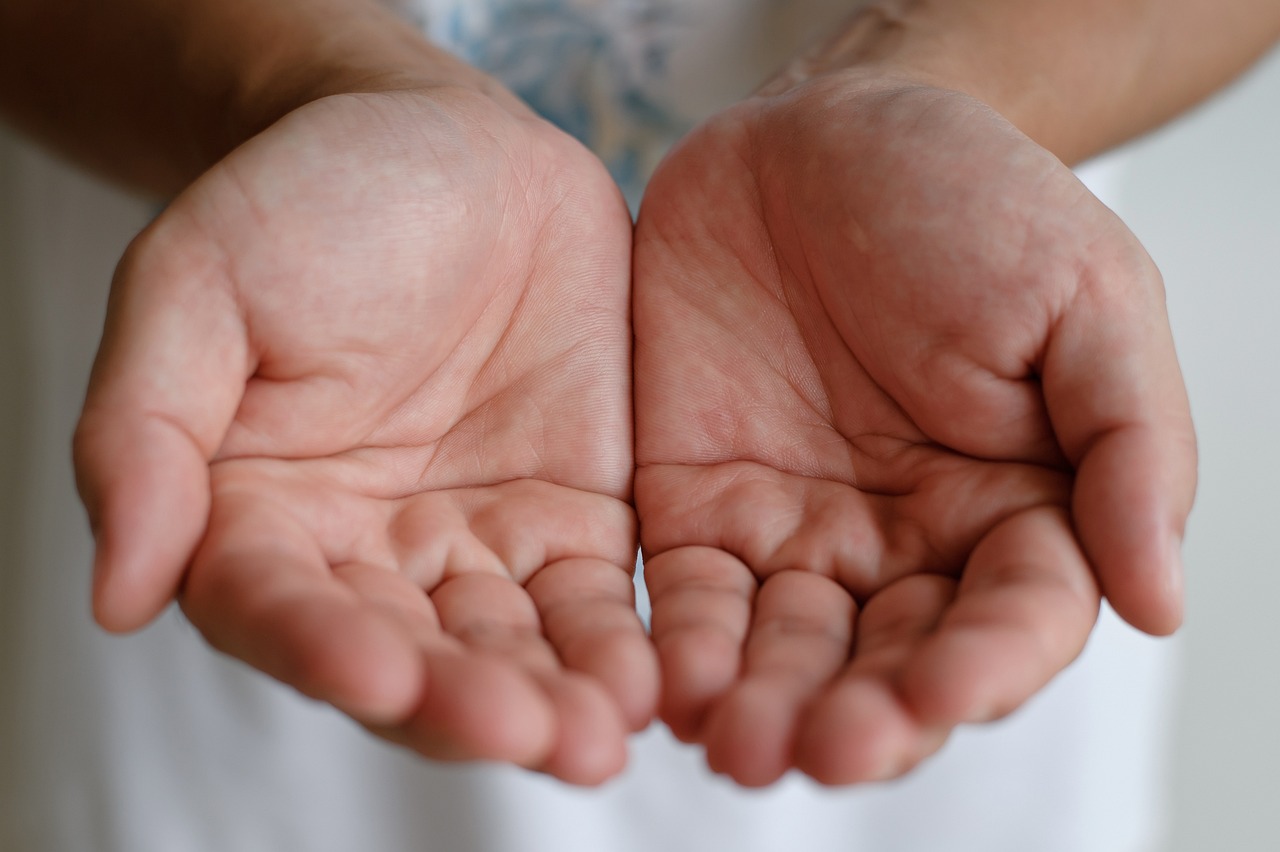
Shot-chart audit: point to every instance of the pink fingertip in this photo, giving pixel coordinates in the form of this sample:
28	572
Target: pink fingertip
121	601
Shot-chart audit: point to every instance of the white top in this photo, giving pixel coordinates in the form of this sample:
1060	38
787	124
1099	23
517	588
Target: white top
154	743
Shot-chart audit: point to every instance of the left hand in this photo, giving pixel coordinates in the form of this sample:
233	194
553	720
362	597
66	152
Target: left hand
907	404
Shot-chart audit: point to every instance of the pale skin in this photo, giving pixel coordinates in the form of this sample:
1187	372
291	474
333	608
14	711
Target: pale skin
888	541
397	466
904	411
907	404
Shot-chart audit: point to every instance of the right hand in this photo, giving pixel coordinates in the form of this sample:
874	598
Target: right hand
363	404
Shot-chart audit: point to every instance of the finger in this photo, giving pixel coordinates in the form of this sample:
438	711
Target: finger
496	619
588	613
165	385
859	729
261	590
701	601
800	637
1120	410
466	712
1025	607
491	613
476	706
590	746
400	599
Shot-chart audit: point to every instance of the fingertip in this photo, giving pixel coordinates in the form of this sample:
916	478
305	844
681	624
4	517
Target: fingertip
1153	620
590	745
698	664
750	733
634	679
468	712
859	732
478	707
950	680
1144	583
1134	492
139	563
1155	606
377	678
146	492
120	606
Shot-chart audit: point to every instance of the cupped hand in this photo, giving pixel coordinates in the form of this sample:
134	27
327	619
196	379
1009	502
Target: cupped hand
363	402
907	404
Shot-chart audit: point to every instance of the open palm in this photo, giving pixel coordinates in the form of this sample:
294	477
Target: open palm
906	398
364	393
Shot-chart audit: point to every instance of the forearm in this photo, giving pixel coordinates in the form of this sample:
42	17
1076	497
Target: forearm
1078	77
152	92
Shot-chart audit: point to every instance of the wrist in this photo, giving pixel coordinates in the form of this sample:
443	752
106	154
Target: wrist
1015	57
154	93
376	52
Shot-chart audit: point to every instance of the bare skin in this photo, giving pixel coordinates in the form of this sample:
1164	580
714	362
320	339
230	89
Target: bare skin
397	455
895	402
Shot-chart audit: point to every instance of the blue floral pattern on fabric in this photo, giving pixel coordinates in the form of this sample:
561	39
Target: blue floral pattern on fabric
592	67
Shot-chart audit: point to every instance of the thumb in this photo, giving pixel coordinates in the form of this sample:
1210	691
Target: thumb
165	386
1120	411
